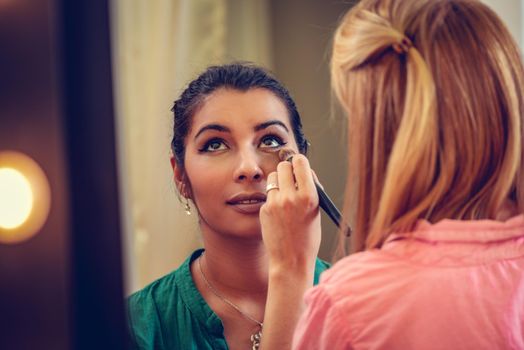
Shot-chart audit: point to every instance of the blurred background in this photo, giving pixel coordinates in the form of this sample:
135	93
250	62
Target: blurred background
86	89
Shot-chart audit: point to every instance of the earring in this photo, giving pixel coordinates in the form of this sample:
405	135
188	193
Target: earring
184	193
187	208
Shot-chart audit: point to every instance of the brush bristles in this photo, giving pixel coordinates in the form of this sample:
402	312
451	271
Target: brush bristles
286	154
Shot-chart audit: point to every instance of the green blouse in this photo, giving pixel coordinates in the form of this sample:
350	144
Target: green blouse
170	313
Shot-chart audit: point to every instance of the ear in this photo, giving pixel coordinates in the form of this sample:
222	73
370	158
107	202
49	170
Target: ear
174	166
180	178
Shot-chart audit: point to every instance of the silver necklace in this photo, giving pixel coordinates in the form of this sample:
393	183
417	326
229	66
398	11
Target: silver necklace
255	337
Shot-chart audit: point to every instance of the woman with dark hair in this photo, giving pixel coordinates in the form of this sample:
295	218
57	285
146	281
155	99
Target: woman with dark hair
229	124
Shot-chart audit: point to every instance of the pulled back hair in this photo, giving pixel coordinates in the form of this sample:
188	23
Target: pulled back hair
433	90
237	76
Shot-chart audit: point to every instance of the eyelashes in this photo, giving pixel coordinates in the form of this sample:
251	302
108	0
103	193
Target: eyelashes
217	144
272	141
213	145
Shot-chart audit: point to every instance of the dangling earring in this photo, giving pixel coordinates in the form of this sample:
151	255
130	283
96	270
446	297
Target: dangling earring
184	193
187	208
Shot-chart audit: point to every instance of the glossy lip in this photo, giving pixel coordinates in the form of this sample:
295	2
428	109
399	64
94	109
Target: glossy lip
247	208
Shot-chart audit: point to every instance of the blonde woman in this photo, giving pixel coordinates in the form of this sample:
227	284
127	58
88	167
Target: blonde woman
433	92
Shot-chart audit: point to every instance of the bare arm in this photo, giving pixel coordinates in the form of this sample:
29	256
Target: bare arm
291	231
284	307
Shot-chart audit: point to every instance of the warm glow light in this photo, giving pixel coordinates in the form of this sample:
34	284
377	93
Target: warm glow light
16	198
25	197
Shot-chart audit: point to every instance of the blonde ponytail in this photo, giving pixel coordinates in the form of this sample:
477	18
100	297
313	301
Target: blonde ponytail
415	148
434	109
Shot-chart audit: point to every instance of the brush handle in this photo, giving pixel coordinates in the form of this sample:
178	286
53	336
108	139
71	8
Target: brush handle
324	201
331	210
327	204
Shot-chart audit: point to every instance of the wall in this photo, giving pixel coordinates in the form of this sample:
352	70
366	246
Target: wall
511	12
301	35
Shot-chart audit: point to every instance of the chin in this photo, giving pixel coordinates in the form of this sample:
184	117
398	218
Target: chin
247	230
251	232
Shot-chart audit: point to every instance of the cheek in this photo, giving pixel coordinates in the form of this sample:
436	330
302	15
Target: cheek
207	181
293	145
269	163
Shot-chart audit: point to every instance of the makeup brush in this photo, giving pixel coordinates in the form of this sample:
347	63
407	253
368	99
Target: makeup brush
286	154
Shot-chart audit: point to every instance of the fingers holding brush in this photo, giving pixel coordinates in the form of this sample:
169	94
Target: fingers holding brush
290	218
301	169
305	183
323	199
286	179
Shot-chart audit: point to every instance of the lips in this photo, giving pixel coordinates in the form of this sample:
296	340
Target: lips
247	203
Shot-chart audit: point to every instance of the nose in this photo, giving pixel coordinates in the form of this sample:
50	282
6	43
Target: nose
248	167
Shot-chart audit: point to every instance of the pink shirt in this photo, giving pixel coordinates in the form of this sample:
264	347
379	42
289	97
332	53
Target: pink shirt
455	285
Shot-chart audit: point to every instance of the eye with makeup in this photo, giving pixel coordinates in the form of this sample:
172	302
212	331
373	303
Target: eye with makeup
271	141
213	145
218	144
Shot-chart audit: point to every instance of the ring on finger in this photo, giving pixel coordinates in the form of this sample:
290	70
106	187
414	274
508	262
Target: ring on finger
271	186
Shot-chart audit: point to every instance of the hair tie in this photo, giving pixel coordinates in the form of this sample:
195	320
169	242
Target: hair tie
403	46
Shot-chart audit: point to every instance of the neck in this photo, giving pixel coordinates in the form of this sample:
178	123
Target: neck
234	265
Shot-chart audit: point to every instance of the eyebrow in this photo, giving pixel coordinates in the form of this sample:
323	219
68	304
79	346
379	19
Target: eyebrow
258	127
217	127
269	123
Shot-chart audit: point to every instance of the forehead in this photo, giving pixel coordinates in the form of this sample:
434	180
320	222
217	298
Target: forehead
238	109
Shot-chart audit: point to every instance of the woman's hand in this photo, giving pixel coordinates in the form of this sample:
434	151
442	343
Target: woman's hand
290	221
290	218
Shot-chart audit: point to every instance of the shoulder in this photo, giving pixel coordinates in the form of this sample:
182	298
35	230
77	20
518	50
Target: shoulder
320	266
144	300
145	312
358	264
360	273
323	324
163	289
156	307
147	309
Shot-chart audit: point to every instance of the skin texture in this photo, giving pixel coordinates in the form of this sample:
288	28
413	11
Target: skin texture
230	152
241	161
